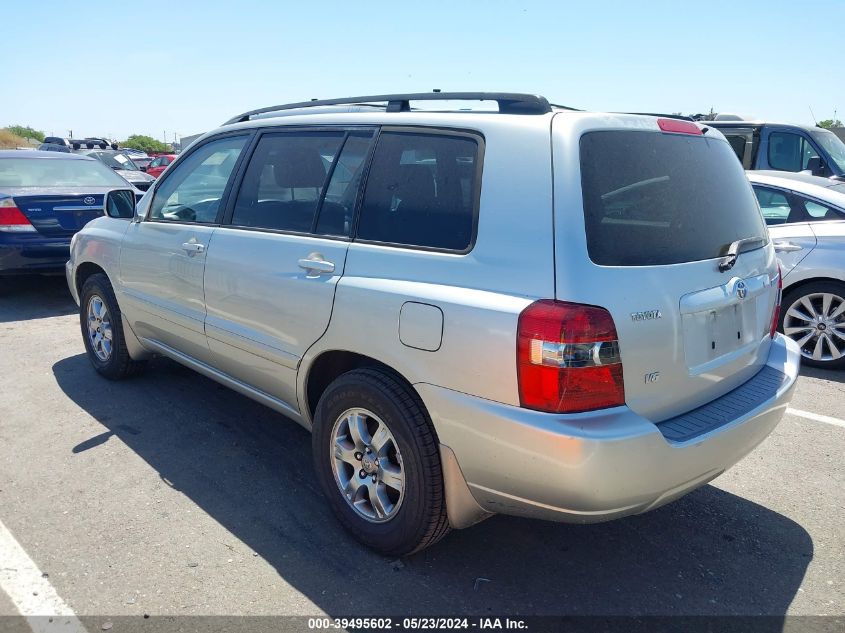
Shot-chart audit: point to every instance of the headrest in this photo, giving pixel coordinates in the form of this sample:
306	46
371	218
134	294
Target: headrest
416	181
294	169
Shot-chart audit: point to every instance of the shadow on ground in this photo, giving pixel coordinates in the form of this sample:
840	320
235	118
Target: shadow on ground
247	467
34	297
833	375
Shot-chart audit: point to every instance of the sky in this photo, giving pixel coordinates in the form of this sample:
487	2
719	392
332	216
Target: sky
180	67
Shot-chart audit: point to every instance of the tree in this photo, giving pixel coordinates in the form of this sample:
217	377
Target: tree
146	144
24	131
829	123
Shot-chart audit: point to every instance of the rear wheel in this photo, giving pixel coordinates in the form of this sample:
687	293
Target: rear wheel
378	462
102	330
813	316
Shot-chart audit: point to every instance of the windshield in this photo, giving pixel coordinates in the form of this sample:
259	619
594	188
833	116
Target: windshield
115	161
56	172
656	199
833	145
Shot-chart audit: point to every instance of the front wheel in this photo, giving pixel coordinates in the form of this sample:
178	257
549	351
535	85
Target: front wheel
813	315
378	462
102	330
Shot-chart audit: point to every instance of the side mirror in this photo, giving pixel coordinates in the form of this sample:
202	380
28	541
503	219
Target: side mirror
120	203
143	168
815	166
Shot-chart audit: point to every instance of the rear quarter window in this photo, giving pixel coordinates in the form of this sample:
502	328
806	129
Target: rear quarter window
422	191
655	198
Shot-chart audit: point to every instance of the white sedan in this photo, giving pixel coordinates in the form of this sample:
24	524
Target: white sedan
806	220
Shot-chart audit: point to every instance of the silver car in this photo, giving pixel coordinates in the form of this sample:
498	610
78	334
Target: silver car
806	218
529	311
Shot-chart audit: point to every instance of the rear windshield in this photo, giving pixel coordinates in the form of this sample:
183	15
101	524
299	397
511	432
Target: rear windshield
57	172
655	199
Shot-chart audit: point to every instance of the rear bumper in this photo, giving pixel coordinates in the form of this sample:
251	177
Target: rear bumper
34	256
598	466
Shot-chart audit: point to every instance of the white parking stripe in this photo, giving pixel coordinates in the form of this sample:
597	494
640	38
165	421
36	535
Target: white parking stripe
816	417
32	594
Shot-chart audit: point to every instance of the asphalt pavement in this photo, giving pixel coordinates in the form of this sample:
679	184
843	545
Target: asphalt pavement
168	494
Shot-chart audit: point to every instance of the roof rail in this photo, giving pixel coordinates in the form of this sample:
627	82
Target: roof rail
509	102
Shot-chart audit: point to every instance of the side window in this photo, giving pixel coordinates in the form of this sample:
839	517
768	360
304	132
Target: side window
341	194
817	211
421	191
284	182
789	152
156	162
193	191
774	204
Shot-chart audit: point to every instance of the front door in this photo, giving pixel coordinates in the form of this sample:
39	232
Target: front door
162	259
273	266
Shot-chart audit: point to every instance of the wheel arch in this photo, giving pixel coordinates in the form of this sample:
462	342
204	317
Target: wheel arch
328	365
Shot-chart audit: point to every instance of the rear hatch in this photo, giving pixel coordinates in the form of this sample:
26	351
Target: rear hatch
641	231
58	213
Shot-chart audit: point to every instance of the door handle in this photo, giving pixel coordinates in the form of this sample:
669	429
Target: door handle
315	265
787	247
192	248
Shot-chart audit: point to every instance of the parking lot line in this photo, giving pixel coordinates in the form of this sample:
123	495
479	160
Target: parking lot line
30	591
816	417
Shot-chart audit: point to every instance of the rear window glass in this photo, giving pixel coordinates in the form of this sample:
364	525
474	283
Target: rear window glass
57	172
657	199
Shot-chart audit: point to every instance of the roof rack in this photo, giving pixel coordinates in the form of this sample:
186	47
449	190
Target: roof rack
509	102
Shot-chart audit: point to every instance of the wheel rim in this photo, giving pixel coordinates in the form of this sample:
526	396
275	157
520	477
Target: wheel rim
816	322
367	465
99	328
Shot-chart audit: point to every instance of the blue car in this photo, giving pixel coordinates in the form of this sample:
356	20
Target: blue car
46	197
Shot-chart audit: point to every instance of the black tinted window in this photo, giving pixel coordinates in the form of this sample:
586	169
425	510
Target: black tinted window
421	191
284	181
338	206
652	198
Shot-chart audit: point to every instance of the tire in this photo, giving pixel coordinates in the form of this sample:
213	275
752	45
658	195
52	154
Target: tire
110	357
797	302
409	521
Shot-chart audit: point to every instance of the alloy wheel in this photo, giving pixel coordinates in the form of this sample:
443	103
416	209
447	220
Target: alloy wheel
367	465
816	322
99	328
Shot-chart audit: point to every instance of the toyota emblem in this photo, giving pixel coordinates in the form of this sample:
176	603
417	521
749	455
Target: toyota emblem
88	200
741	289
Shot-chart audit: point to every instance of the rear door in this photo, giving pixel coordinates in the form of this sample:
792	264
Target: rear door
643	219
162	258
784	214
273	266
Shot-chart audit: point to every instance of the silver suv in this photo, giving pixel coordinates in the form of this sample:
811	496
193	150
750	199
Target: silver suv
530	311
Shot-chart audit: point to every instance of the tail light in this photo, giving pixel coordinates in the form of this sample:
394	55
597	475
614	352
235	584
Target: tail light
776	315
678	126
12	219
568	358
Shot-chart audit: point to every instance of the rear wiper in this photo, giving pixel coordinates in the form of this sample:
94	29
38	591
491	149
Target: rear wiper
728	261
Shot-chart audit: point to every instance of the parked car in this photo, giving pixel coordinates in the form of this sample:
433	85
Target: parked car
785	147
46	197
587	333
806	218
159	164
122	164
141	159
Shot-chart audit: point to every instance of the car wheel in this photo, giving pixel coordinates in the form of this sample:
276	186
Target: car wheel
102	330
813	315
378	462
